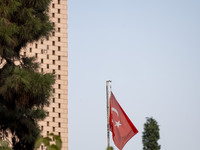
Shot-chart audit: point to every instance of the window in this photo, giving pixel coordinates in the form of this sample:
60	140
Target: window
53	33
58	29
47	123
36	55
47	132
53	100
59	57
30	50
36	45
41	60
53	119
59	86
53	129
41	41
6	133
53	5
47	56
59	39
59	105
59	124
59	77
24	53
53	61
58	20
54	90
59	95
59	48
42	70
48	114
54	71
59	134
53	42
42	51
42	128
47	46
53	52
58	1
53	23
47	66
53	109
58	11
53	15
59	67
47	38
59	115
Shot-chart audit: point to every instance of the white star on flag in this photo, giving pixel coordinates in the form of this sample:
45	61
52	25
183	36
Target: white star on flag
117	123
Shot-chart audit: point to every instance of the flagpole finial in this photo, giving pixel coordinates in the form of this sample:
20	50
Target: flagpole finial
108	81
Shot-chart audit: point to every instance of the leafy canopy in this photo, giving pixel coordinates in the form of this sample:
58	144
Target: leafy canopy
51	142
151	135
23	90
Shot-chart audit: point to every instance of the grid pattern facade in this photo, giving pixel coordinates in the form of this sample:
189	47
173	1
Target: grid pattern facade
52	53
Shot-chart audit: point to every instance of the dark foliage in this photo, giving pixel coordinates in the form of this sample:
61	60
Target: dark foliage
151	135
23	90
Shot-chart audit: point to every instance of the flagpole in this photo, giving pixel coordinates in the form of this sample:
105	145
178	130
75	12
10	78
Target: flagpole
108	112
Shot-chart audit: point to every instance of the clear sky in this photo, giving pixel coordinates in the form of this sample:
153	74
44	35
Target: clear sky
150	49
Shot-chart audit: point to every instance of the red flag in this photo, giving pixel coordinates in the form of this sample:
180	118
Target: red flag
120	125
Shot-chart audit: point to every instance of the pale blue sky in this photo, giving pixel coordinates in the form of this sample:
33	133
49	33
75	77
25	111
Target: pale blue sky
150	49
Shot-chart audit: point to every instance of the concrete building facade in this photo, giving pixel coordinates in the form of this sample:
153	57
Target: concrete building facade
52	53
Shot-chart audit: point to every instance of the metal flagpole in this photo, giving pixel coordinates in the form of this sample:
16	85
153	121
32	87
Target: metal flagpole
108	112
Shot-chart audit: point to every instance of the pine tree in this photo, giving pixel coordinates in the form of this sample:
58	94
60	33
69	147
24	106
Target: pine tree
151	135
23	90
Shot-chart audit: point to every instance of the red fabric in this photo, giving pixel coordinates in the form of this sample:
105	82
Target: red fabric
120	125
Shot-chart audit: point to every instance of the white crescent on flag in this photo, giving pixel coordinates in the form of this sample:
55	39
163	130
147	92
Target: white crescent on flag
115	110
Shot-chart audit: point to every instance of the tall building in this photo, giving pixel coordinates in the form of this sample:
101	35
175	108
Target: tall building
52	53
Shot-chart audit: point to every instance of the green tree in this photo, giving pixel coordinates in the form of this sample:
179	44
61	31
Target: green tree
4	145
110	148
51	142
151	135
23	90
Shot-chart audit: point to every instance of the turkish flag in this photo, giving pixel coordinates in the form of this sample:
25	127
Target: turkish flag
120	125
